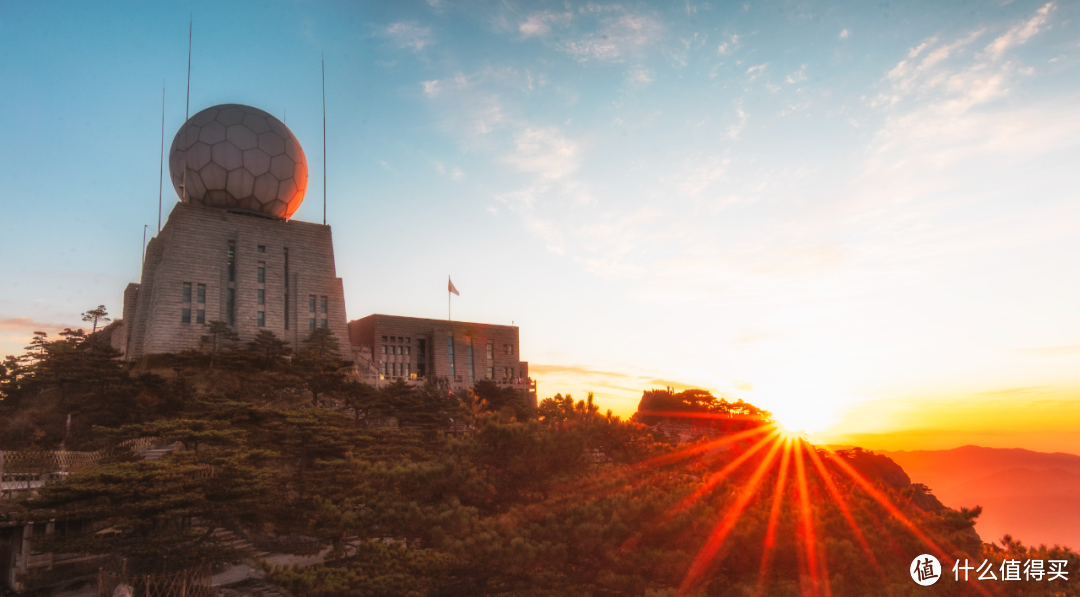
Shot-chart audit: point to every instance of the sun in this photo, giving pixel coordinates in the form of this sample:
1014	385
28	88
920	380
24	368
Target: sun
805	417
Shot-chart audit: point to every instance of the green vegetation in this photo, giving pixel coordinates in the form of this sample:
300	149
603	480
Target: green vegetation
554	500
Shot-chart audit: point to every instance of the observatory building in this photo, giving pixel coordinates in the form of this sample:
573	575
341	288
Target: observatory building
229	251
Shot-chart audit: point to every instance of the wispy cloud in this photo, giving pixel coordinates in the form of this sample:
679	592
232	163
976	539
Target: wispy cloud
729	45
1020	33
797	76
409	36
618	37
544	151
28	325
539	23
1050	351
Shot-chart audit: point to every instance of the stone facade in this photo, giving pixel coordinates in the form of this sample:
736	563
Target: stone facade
410	347
281	269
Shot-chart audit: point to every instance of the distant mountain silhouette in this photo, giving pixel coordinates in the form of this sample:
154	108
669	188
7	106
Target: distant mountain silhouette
1032	496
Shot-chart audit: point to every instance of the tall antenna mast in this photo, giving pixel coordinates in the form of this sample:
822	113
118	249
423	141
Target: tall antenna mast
161	163
143	259
187	101
324	139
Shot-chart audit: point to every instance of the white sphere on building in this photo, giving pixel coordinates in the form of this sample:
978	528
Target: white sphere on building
239	158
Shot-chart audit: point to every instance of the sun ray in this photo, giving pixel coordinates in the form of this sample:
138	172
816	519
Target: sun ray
720	475
809	536
838	499
706	555
774	517
609	484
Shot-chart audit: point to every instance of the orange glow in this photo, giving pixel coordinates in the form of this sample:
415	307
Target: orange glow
716	539
774	517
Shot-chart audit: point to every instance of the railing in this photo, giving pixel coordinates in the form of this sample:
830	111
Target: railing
193	582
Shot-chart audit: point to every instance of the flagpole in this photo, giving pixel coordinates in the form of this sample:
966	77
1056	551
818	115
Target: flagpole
448	318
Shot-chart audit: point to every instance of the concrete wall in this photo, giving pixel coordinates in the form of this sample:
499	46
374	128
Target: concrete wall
193	248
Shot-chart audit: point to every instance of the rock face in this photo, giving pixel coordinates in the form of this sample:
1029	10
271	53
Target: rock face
241	158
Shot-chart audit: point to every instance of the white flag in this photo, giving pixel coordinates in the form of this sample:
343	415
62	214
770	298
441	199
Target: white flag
451	286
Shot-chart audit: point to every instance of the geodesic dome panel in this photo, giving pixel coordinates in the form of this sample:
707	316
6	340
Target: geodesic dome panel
239	157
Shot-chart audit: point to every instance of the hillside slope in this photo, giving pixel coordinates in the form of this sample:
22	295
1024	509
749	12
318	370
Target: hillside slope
1030	495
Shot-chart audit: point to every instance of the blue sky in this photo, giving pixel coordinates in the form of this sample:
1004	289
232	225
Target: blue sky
833	210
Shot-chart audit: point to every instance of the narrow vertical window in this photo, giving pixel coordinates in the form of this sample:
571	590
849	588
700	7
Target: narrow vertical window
491	373
469	355
200	294
405	370
322	304
200	316
311	303
421	349
187	292
232	262
185	315
383	368
311	325
324	324
450	353
490	351
384	349
407	350
260	319
261	274
230	306
261	297
261	248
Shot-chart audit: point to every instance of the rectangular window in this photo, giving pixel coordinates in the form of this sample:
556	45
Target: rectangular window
384	338
261	296
260	318
397	369
261	274
230	306
384	349
408	340
262	248
286	310
311	303
231	262
419	369
383	368
511	349
491	373
422	348
322	305
397	350
407	350
185	316
200	294
200	316
187	292
324	324
405	369
469	353
311	325
490	351
450	353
